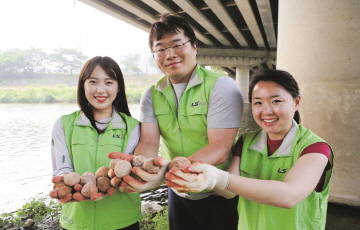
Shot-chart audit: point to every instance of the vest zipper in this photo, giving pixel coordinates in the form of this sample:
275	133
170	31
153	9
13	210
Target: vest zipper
96	166
179	125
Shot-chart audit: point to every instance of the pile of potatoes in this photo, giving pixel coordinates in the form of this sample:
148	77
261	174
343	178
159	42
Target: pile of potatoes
105	180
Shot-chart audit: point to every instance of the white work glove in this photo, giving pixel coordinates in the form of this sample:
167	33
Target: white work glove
197	177
151	181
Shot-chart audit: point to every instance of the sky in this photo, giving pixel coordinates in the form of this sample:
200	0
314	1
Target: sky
51	24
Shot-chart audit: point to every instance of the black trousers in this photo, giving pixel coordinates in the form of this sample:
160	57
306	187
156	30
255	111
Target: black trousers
131	227
211	213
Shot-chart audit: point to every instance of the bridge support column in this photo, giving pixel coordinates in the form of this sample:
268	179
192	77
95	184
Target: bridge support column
318	43
242	78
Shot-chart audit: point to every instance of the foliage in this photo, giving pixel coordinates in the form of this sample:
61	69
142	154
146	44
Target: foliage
38	94
152	62
134	94
217	70
39	209
61	88
36	209
161	220
158	222
53	94
67	60
131	63
20	64
35	60
9	219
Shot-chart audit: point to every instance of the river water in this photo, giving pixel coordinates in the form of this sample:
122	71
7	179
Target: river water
25	159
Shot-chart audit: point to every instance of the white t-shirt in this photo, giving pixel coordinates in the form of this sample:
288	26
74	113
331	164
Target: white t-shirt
225	111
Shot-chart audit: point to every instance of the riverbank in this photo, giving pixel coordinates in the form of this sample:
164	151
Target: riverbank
54	94
154	203
339	217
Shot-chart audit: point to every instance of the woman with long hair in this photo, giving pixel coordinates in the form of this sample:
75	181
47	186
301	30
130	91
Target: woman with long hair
82	140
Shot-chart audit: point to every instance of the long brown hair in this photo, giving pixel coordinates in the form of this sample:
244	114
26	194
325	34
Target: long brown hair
113	70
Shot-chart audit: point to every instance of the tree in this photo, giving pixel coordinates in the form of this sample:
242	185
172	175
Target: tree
130	63
16	62
152	63
67	60
12	62
35	60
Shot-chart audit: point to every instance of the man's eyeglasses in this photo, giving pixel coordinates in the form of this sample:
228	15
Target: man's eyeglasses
160	52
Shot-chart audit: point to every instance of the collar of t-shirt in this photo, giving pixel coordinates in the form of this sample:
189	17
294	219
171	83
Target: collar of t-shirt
102	124
273	145
178	91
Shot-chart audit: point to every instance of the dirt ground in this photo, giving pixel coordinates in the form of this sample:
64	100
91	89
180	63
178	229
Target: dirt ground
342	217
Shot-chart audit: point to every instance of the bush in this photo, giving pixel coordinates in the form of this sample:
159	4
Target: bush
36	209
46	214
158	221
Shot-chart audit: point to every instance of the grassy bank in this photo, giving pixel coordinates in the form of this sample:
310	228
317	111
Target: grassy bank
54	94
41	213
61	88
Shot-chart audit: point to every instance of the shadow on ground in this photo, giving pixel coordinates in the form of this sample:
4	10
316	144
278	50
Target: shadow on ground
342	217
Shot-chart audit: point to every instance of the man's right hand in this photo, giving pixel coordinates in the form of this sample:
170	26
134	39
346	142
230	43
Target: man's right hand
151	181
122	156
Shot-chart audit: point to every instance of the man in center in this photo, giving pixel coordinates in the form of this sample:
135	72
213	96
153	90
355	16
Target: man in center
197	114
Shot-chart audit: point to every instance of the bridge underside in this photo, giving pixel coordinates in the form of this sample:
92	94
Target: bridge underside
230	33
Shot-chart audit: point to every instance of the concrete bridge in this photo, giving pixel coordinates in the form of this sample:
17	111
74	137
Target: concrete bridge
316	41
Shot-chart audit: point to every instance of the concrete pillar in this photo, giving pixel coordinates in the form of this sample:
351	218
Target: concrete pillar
242	78
318	43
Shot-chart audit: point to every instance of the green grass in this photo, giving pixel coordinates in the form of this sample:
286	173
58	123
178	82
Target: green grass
38	94
61	88
53	94
158	221
38	208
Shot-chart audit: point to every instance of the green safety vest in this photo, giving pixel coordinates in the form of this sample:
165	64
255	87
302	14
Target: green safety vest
88	151
183	130
255	163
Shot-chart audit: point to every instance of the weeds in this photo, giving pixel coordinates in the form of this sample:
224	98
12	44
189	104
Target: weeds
158	221
41	210
36	209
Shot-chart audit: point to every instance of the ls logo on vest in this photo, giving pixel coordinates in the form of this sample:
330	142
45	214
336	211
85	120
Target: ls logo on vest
282	170
198	103
118	136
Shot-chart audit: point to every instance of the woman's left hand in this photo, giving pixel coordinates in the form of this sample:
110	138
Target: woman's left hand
196	178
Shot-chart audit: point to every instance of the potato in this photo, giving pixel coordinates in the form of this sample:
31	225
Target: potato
72	179
88	177
103	183
179	162
138	161
113	162
102	172
150	167
122	168
88	189
62	190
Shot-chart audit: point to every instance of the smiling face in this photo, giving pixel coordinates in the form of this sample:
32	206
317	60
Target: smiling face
177	66
100	91
273	108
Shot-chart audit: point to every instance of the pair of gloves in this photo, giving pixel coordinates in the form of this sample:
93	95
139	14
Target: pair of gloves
197	177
